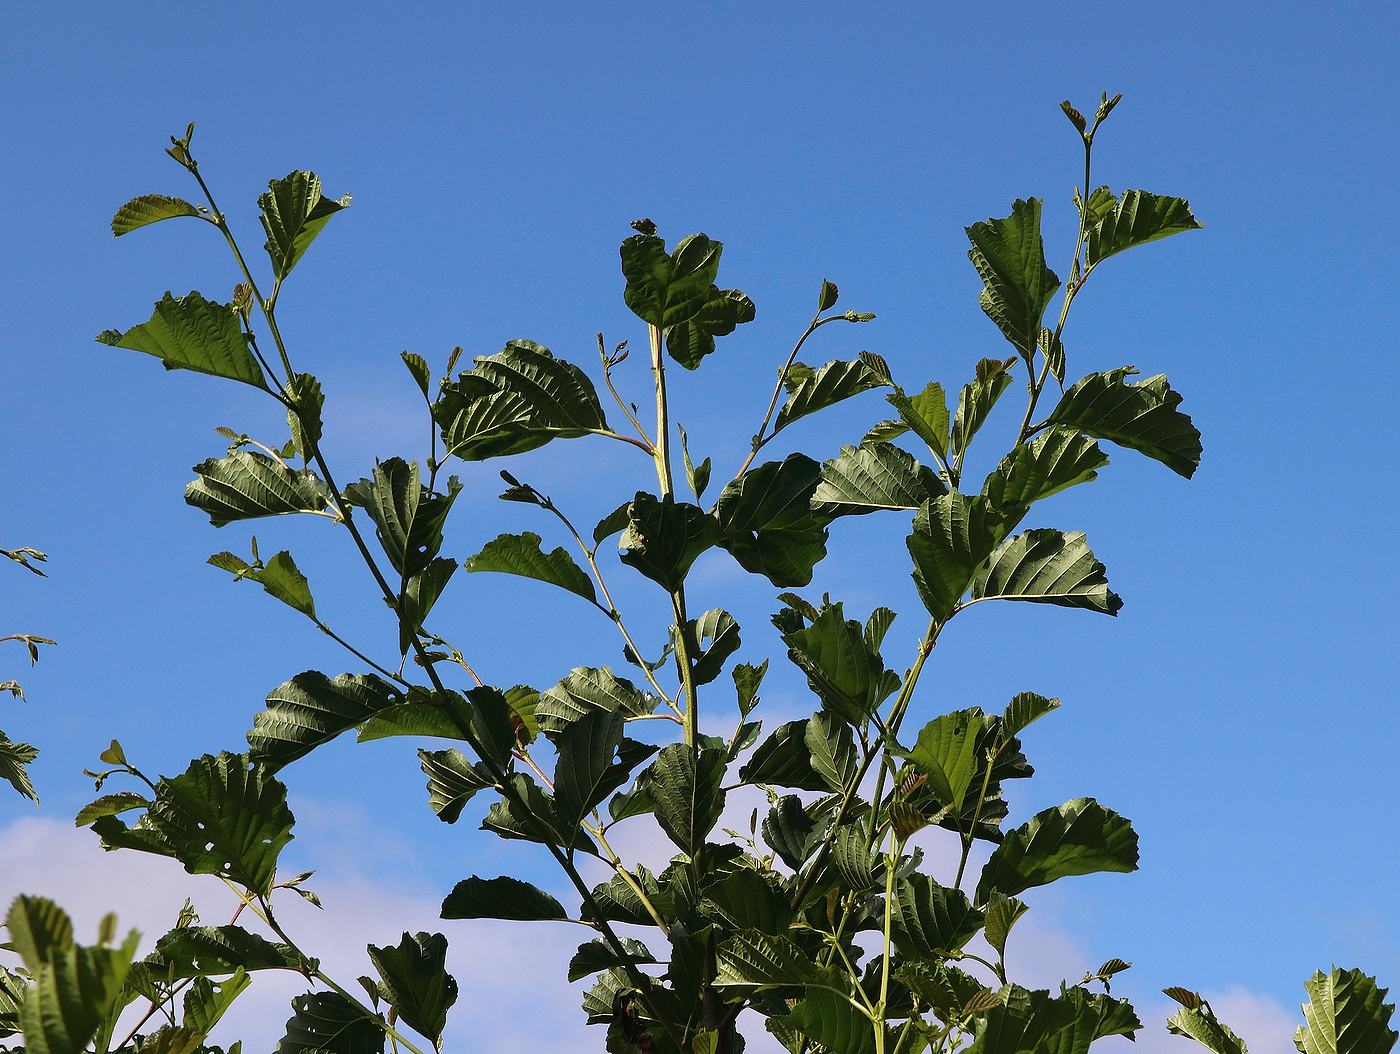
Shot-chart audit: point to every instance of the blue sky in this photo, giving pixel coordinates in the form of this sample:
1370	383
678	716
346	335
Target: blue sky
1240	709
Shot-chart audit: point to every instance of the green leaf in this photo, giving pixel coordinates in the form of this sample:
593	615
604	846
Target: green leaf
14	756
245	485
925	414
73	989
329	1023
597	955
516	400
810	390
586	690
1002	914
529	815
1198	1021
816	754
713	637
953	535
443	715
293	212
12	989
1080	837
452	781
1053	461
219	817
766	520
1346	1013
664	536
758	960
930	921
828	1019
793	830
150	208
38	929
415	982
871	478
749	900
500	898
304	415
842	669
1037	1021
946	752
685	792
408	517
617	901
110	805
191	333
1135	219
585	773
1023	709
1046	566
312	709
1009	256
522	554
206	1001
747	680
194	951
663	289
279	576
690	341
697	478
1142	416
420	594
976	399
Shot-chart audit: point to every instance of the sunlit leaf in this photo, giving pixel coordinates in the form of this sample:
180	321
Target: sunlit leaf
1141	415
871	478
1009	256
810	390
1048	464
1046	566
312	709
1080	837
294	210
150	208
1134	219
1346	1013
246	484
192	333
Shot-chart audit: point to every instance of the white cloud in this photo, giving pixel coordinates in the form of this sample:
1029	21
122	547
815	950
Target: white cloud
513	992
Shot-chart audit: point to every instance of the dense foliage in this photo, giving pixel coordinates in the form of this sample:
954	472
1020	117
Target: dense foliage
823	920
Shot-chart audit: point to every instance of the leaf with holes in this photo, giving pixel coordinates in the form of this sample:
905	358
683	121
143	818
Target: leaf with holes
415	982
222	816
329	1023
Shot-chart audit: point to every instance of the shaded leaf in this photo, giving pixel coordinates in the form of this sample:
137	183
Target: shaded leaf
690	341
452	781
598	955
500	898
953	535
529	814
329	1023
664	289
714	636
685	792
521	554
408	517
14	757
1009	256
767	522
193	951
586	690
929	920
828	1019
415	982
842	669
946	753
664	536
